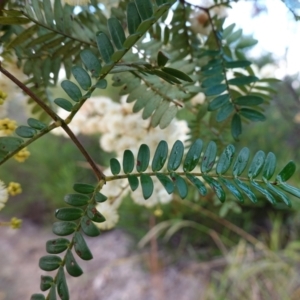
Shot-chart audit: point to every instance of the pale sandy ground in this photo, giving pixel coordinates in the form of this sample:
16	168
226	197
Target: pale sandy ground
117	272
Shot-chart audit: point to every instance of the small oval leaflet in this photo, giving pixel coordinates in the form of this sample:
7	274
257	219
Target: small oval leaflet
37	297
133	182
94	214
241	162
216	187
83	188
160	156
256	164
225	112
128	161
116	32
193	156
215	90
36	124
9	143
267	194
49	262
115	166
175	157
252	114
143	158
46	282
25	131
225	159
88	227
100	197
91	62
133	18
180	185
278	192
71	265
168	116
105	47
197	183
64	228
144	8
218	102
63	103
269	166
287	172
57	245
76	199
232	188
246	189
82	77
249	100
209	157
243	80
61	284
178	74
81	248
147	185
69	213
166	182
236	126
72	90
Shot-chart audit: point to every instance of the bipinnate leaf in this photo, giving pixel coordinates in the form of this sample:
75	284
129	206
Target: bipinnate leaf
57	245
143	158
115	166
175	156
61	285
71	265
82	77
76	199
88	227
147	185
193	156
72	90
64	228
160	156
49	262
46	282
209	156
81	248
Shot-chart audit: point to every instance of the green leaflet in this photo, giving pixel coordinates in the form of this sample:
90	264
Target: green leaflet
71	265
143	158
193	156
241	162
57	245
175	156
115	166
256	164
166	182
198	184
180	185
264	192
237	64
168	116
88	227
72	90
36	124
69	213
23	37
37	297
94	214
215	90
232	188
76	199
46	282
279	193
82	77
177	74
209	157
147	185
133	182
156	117
252	114
83	188
9	143
25	132
105	47
81	248
61	284
144	8
128	161
59	15
243	80
212	81
269	166
101	84
64	228
13	20
100	197
49	262
133	18
160	156
91	62
52	293
287	172
249	100
162	58
216	187
289	189
225	160
116	32
225	111
236	126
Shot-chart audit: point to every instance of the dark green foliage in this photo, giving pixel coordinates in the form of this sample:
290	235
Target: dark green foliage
50	262
57	245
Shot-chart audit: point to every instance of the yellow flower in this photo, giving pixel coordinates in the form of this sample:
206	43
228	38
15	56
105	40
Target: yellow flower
7	126
15	223
76	2
14	188
2	97
158	212
3	194
22	155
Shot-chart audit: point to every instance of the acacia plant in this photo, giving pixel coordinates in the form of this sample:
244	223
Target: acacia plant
167	58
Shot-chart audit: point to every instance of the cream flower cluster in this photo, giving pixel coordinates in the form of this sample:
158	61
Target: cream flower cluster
120	129
3	194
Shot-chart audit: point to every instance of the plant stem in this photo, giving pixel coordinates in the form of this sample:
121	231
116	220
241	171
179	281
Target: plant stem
59	122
